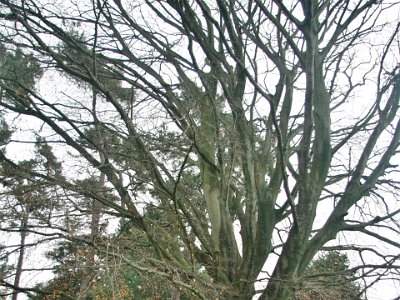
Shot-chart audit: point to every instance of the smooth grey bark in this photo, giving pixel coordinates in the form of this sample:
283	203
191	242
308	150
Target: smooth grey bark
255	169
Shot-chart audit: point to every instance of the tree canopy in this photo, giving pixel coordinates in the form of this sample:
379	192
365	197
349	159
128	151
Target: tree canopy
231	141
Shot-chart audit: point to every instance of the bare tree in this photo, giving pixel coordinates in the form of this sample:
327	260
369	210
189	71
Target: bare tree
262	130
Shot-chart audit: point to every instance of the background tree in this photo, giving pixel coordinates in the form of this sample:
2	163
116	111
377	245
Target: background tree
27	203
329	277
239	122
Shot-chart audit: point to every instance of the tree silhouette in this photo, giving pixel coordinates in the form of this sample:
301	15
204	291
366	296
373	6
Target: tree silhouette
259	131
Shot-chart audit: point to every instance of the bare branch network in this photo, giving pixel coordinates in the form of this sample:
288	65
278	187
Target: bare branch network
179	149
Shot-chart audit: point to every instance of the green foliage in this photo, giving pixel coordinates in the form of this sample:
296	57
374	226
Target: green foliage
18	72
148	287
47	159
17	178
81	60
213	132
329	277
5	132
68	259
119	282
3	262
4	267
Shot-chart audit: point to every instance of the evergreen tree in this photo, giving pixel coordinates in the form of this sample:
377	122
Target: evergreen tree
329	277
223	132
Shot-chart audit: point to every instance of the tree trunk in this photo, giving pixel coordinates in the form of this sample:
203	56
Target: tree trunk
18	271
